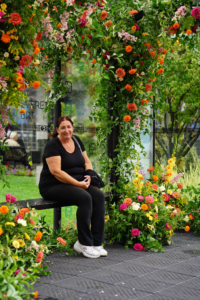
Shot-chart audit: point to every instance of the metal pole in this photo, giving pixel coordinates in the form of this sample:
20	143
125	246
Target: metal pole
57	114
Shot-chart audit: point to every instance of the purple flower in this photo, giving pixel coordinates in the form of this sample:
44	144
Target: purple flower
26	167
140	198
2	19
7	173
123	206
16	272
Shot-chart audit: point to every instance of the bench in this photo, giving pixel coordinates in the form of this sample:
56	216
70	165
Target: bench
41	204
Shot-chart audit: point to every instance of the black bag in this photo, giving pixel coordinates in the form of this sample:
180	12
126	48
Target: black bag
95	178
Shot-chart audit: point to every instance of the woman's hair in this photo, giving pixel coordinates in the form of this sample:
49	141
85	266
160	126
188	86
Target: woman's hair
58	122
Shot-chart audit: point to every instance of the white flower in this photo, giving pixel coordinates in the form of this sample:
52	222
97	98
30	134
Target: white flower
22	222
6	54
34	245
142	73
17	57
121	79
114	46
135	206
186	219
161	188
156	208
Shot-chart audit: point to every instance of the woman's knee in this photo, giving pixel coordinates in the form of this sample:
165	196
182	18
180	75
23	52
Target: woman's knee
86	199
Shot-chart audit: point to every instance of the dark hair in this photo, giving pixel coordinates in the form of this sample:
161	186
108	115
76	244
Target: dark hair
58	122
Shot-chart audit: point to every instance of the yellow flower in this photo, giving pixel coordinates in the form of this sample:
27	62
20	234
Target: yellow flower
27	236
169	192
170	161
140	176
135	180
3	6
15	257
163	57
21	243
174	158
10	223
144	33
16	244
150	218
151	227
2	63
156	208
107	218
170	232
148	215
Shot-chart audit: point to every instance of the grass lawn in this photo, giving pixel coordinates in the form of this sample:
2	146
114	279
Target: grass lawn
25	188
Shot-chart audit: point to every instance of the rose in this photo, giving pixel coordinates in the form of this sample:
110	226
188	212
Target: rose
161	188
140	198
149	199
138	247
196	13
135	232
123	206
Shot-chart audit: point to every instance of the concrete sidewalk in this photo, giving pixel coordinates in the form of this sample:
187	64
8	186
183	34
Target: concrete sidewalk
126	274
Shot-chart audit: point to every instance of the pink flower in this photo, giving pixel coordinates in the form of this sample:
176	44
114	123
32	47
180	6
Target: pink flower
154	186
100	3
135	232
123	206
149	199
10	198
138	247
82	22
89	35
16	272
196	13
60	240
140	198
167	226
2	19
137	27
24	275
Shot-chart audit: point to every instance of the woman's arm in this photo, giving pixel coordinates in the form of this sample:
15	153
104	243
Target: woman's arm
88	164
54	164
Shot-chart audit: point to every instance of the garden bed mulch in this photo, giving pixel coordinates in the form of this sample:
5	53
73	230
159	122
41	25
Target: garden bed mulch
126	274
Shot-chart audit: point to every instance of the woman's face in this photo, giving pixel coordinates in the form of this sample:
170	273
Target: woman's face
65	130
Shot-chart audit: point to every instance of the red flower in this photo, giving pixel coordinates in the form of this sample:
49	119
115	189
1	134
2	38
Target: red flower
106	54
144	101
132	106
26	60
106	66
39	36
148	87
81	22
100	3
22	87
15	18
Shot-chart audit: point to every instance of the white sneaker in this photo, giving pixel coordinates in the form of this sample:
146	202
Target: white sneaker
101	250
87	251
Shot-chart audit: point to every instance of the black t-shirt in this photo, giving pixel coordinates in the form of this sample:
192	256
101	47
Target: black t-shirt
71	163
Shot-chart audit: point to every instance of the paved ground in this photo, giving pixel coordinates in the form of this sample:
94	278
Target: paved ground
126	274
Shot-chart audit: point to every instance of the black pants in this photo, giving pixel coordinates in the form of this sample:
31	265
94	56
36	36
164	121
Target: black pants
91	210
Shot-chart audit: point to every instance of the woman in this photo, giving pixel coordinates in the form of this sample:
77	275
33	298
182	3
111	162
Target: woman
64	163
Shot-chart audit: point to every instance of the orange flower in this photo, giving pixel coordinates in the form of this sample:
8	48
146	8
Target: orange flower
108	24
82	37
38	236
36	84
19	79
132	106
128	49
22	111
128	201
60	240
133	12
128	87
37	51
189	31
5	38
103	15
152	54
155	178
154	186
144	101
4	209
31	221
132	71
165	197
144	207
191	216
176	195
127	118
47	90
155	216
150	80
187	228
160	71
69	49
94	61
55	8
179	185
134	28
36	295
1	231
161	62
85	14
173	50
147	45
165	51
176	26
59	25
148	87
150	169
22	87
120	72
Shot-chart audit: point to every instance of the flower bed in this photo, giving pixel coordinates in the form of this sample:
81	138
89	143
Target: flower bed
23	246
151	211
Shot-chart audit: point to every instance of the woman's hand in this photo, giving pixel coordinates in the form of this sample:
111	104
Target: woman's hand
88	177
84	184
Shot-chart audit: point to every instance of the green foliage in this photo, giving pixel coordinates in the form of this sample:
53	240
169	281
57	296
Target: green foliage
193	208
